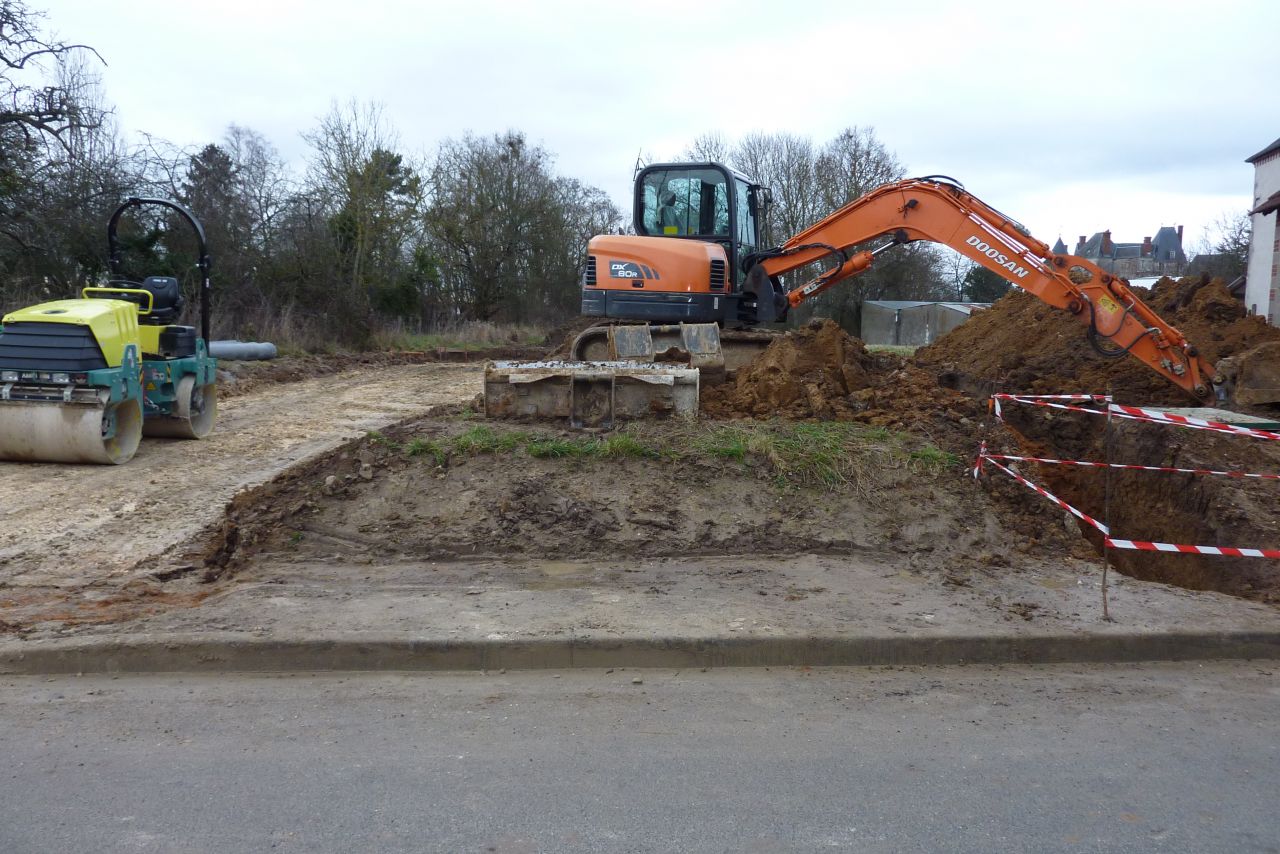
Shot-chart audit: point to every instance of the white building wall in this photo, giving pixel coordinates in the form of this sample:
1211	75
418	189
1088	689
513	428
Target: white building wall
1262	278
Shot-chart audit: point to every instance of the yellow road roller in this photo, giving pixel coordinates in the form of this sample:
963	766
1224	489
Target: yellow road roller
83	380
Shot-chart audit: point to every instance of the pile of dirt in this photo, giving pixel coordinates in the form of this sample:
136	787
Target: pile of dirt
375	500
821	372
1022	344
807	373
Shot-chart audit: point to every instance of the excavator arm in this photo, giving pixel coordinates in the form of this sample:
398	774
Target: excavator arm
940	210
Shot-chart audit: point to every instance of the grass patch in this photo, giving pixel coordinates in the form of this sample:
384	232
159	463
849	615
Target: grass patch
558	447
427	447
830	454
726	443
895	349
933	459
380	441
822	453
482	439
623	445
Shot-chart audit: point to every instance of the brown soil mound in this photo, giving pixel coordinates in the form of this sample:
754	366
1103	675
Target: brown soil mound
806	373
497	504
1021	344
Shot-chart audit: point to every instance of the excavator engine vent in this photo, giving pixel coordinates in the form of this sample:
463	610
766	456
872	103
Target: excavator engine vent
589	278
717	275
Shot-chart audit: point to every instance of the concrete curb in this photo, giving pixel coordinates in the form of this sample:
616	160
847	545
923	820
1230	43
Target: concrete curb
242	654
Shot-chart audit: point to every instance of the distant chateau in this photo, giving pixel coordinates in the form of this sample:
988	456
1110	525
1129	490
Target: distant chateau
1161	255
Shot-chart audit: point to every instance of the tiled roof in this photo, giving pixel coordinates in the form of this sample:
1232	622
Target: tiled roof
1166	241
1092	247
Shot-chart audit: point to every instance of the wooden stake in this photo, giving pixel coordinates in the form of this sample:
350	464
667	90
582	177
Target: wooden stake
1106	510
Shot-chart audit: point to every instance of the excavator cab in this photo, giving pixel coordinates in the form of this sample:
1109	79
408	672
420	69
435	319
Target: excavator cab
702	201
695	223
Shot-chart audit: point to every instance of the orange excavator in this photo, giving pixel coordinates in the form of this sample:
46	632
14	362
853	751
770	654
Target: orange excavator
697	268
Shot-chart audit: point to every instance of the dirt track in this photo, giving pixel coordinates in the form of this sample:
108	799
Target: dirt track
61	525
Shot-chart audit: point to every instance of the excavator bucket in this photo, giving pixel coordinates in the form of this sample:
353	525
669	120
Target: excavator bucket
588	394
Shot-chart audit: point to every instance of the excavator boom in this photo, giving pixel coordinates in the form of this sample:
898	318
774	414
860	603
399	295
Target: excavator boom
940	210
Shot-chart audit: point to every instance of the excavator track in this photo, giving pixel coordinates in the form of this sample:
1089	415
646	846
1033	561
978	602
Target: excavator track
716	351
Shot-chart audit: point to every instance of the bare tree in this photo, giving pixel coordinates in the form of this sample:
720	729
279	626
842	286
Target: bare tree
54	199
263	181
27	103
509	233
1227	238
954	269
711	146
853	164
370	194
787	164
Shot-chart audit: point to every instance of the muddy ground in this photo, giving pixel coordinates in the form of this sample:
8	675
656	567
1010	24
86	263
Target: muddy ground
97	531
292	478
237	378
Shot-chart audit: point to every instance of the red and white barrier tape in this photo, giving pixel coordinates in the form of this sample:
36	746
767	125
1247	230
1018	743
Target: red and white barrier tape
1135	413
1090	464
1225	551
977	464
1140	414
1046	493
1112	542
1097	398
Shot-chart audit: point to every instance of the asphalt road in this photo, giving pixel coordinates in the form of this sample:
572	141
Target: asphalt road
1152	758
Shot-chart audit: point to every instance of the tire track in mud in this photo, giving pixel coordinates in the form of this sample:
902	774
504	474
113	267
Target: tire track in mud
71	526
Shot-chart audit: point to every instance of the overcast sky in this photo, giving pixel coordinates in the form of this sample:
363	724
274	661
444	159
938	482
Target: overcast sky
1070	117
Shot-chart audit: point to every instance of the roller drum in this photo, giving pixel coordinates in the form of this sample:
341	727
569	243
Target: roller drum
194	412
70	433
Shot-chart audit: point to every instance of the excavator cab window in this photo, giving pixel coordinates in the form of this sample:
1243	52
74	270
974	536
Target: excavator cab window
747	236
685	203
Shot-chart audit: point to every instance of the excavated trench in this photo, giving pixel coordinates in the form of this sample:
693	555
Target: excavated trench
1163	507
